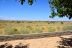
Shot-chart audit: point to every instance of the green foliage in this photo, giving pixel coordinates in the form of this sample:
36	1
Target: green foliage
22	1
61	8
30	2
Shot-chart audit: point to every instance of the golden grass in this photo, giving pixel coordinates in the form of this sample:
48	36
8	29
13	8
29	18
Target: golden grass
27	27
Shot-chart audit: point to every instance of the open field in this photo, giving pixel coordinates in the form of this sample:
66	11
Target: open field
29	27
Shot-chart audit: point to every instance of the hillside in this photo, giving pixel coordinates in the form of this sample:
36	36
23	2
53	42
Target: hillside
28	27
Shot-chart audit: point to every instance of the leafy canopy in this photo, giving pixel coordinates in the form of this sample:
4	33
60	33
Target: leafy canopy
30	2
61	8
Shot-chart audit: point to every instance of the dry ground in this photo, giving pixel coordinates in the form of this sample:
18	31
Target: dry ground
47	42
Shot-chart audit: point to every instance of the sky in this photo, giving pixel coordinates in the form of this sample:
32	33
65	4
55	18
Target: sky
39	11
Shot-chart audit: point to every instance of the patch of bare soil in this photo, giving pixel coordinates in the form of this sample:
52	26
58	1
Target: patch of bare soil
46	42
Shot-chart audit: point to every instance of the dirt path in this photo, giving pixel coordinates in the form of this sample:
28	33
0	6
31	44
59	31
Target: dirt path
47	42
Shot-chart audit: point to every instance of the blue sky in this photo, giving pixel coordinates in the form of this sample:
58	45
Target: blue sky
40	10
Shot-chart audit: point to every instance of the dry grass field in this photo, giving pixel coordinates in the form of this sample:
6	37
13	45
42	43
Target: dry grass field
28	27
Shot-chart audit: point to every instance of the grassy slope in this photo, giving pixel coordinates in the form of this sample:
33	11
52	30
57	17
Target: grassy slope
27	27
